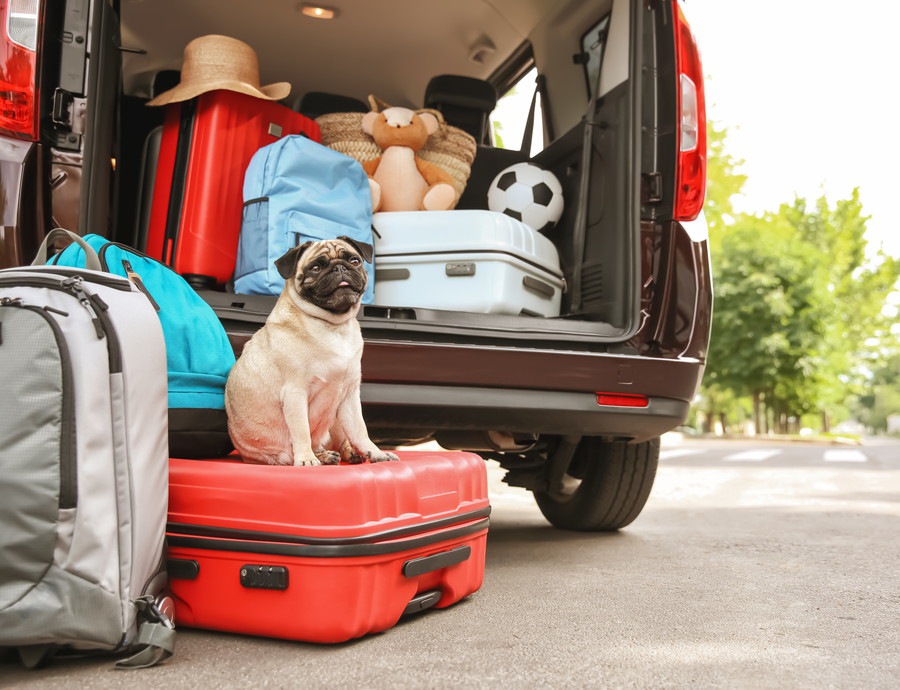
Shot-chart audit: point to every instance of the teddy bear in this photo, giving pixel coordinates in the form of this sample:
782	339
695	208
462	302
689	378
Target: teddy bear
399	179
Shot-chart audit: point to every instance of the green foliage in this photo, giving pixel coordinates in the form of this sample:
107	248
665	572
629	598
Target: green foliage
882	398
769	316
722	180
799	319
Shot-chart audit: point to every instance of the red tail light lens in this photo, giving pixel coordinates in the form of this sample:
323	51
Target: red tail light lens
691	172
18	69
622	400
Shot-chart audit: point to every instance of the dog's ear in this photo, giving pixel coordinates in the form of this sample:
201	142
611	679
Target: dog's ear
287	264
366	251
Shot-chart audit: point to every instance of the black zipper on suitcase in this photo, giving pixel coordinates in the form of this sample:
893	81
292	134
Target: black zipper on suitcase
68	469
92	302
187	114
112	281
374	538
335	549
133	276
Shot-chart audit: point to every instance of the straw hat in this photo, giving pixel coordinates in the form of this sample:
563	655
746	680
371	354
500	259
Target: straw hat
219	62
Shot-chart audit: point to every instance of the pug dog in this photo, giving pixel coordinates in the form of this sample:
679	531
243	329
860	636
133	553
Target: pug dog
292	397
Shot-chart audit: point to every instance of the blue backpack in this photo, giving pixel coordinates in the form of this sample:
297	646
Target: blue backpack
198	353
296	190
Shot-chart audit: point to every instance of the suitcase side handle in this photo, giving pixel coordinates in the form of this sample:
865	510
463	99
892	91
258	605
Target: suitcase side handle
427	564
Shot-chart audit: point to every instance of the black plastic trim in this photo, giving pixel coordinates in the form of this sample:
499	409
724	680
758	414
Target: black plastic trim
436	561
422	601
187	113
386	535
182	569
329	551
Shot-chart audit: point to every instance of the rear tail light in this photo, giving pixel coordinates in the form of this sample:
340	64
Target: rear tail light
690	178
622	400
18	69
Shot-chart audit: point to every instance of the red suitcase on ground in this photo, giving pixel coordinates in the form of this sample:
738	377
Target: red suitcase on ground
207	143
324	554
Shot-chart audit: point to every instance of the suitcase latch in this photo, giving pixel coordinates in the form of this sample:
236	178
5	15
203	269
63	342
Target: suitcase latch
460	268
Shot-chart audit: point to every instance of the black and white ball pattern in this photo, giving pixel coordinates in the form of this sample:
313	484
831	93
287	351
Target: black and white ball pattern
527	193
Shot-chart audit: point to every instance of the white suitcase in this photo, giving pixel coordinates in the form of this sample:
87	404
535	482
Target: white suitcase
475	261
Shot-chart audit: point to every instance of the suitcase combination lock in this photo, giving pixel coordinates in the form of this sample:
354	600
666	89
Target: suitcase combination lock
264	577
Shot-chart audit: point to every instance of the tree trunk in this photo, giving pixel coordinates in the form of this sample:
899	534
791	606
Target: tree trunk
757	428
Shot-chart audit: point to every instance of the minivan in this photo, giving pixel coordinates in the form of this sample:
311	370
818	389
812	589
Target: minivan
571	405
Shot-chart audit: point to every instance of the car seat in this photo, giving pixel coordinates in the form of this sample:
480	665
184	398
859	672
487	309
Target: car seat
316	103
465	102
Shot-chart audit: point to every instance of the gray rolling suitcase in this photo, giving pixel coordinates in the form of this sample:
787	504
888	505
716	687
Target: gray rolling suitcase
83	465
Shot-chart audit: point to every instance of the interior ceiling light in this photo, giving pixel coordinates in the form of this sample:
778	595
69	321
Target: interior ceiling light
318	12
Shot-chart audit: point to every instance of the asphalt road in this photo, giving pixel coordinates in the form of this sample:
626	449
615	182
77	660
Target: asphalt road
754	565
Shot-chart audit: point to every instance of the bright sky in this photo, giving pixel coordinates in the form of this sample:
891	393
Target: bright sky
809	92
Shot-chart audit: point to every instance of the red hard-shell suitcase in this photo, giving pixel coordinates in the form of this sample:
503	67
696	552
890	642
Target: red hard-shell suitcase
324	554
207	143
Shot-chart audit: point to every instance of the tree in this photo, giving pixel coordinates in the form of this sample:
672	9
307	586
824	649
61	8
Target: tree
723	182
768	318
799	320
859	282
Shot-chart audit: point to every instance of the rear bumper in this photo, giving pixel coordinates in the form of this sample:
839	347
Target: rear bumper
414	385
436	408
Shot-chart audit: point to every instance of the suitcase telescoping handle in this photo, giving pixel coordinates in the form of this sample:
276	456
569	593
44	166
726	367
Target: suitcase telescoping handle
91	260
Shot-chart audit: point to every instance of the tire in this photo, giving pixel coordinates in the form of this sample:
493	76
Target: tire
605	488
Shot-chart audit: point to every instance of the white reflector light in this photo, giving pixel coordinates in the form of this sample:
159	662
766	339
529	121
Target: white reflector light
689	115
22	23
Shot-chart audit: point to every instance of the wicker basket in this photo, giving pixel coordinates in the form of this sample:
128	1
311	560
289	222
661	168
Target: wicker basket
450	148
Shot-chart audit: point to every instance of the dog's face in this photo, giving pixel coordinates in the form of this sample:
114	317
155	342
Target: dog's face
329	273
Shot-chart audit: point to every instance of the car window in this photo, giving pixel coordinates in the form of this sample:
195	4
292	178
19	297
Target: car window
509	119
592	44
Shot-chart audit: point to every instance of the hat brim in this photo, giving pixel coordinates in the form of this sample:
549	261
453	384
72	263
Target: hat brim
185	92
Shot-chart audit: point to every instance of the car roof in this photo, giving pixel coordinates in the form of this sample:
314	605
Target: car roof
390	48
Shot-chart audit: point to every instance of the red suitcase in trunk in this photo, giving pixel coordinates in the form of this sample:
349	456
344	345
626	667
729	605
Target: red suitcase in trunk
324	554
207	143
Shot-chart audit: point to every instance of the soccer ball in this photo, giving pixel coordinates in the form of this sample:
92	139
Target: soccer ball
529	194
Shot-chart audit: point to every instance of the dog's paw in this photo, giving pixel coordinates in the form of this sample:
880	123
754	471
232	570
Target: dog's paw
356	458
382	456
329	457
304	462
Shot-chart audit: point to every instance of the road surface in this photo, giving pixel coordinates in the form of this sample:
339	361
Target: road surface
754	565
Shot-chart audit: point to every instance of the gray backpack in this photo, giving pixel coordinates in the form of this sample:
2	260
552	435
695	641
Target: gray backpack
83	465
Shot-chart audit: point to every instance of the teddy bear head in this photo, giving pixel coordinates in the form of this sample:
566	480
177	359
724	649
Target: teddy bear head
400	127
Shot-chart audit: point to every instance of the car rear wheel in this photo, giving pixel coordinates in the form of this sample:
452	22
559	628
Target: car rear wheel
605	487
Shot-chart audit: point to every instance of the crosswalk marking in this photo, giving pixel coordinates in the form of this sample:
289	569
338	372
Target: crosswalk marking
669	453
832	455
844	455
751	456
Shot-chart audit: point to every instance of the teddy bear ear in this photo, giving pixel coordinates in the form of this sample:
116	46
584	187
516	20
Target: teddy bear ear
431	122
376	104
368	121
